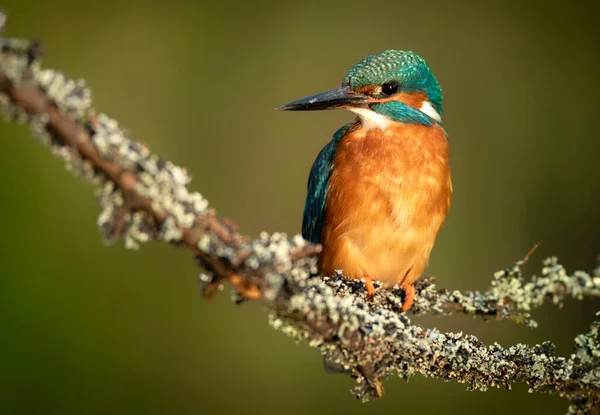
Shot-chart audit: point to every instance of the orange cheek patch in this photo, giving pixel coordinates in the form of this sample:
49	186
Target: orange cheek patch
412	99
366	90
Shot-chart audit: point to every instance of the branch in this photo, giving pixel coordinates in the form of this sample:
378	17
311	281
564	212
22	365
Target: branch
145	198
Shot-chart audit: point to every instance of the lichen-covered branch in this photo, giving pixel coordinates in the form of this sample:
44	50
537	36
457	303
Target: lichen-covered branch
145	198
510	295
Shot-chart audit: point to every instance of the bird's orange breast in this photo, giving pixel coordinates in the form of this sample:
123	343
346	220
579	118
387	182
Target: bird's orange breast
389	193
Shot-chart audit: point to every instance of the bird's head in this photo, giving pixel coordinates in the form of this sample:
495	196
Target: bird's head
390	86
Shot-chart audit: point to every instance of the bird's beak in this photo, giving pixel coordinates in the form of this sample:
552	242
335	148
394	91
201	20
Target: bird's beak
336	98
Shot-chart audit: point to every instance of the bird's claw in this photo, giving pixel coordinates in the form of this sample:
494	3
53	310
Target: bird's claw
369	286
409	296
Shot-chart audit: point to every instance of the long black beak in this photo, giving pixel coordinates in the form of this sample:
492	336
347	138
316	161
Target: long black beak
336	98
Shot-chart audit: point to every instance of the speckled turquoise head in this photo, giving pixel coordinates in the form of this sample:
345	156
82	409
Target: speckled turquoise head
407	68
397	85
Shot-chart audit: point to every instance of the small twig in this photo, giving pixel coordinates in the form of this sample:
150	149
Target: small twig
532	250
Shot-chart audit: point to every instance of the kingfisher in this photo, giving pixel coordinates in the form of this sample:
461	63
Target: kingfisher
379	191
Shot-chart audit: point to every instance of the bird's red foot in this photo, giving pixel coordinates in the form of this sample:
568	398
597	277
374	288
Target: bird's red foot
409	293
369	286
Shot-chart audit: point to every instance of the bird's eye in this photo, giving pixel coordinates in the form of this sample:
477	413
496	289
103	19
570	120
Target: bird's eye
390	88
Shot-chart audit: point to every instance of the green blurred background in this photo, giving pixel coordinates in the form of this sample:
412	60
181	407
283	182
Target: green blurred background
87	329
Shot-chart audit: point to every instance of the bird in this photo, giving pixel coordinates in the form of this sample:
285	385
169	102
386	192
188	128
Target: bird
380	190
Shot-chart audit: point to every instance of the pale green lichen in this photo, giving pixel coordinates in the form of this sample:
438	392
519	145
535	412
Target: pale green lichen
349	330
510	295
70	96
160	180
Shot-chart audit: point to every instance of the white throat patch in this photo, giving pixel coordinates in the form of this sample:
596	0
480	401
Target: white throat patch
370	119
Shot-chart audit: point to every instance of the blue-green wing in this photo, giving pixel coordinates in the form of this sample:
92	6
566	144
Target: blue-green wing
318	182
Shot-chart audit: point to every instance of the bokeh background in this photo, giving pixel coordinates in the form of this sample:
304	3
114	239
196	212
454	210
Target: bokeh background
87	329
